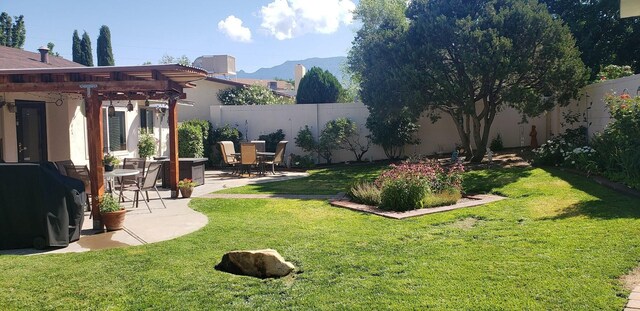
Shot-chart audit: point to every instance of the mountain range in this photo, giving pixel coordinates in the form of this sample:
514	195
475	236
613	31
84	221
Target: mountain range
285	70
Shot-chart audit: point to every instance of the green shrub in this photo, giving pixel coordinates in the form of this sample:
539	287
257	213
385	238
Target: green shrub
403	194
206	129
618	147
272	140
611	72
413	185
496	143
554	151
304	161
190	141
252	95
365	192
146	144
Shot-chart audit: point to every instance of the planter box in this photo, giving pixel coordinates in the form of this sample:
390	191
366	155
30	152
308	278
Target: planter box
192	168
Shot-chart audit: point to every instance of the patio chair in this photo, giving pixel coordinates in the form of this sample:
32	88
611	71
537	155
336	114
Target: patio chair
81	173
228	151
278	158
130	182
248	157
149	183
260	145
61	166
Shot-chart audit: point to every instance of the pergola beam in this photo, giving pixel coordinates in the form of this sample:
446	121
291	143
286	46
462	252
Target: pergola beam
103	86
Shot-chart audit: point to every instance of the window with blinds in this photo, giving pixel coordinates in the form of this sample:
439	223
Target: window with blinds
114	132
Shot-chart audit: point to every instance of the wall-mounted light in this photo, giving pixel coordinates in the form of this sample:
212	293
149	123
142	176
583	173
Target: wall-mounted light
11	107
129	106
111	111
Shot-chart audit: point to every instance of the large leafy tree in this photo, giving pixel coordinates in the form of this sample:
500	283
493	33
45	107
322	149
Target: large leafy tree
168	59
601	35
474	58
86	54
12	34
251	95
378	62
318	86
76	50
105	55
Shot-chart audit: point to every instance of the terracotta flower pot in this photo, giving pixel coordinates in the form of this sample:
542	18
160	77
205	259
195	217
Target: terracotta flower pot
113	220
186	192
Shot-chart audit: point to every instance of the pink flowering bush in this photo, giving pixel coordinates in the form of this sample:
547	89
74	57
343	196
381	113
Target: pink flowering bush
413	185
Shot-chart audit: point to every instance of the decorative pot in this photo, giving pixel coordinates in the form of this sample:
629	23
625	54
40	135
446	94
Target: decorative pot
113	220
108	168
186	192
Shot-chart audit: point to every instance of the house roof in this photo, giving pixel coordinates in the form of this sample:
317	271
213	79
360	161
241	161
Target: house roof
239	84
107	78
12	58
280	85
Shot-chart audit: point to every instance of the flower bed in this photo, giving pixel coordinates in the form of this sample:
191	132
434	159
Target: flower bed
411	185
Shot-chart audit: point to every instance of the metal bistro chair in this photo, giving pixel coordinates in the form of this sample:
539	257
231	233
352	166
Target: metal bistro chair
248	156
61	166
131	182
278	158
227	151
81	173
149	183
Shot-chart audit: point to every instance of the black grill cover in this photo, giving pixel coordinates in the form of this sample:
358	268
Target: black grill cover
39	207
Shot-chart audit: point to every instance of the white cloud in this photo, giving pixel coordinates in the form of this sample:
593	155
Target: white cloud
285	19
232	27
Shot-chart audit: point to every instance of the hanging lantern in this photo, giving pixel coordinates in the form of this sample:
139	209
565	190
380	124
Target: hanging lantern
111	111
129	106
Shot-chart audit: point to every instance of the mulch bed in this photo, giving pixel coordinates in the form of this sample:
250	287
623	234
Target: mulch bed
467	201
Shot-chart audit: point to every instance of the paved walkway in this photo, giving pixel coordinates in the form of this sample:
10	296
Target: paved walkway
142	227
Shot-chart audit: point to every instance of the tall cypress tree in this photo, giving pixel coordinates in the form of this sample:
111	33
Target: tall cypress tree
86	55
105	55
5	29
18	33
75	48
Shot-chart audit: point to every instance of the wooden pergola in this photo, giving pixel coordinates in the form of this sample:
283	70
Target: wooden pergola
96	84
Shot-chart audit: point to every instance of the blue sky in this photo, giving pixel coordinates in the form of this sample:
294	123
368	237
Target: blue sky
259	33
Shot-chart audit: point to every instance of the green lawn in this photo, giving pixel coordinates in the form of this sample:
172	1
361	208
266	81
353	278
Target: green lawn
321	181
559	242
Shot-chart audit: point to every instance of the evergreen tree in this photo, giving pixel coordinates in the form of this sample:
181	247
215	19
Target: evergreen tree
18	33
75	48
50	46
105	55
86	55
318	86
12	34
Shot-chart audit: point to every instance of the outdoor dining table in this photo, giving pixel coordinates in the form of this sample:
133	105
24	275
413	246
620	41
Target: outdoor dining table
118	173
262	156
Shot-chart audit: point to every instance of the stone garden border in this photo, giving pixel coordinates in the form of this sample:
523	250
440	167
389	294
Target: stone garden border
467	201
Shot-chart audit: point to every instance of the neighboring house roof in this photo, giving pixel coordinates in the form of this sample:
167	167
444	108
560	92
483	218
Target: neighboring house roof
239	83
280	85
12	58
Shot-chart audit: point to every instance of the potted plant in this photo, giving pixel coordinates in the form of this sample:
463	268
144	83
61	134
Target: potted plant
186	187
109	162
111	213
146	144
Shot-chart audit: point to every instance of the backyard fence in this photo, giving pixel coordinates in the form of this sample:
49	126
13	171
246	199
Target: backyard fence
440	137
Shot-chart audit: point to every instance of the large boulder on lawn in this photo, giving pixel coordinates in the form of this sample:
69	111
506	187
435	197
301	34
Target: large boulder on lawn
266	263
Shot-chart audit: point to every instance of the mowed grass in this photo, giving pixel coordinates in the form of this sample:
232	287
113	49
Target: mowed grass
320	181
558	243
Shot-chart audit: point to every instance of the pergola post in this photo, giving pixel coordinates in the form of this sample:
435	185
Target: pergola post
93	108
174	169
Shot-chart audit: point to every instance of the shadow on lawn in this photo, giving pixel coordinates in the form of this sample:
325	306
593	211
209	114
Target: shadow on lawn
487	181
609	204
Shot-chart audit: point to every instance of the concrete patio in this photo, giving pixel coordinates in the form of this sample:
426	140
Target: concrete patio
142	227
